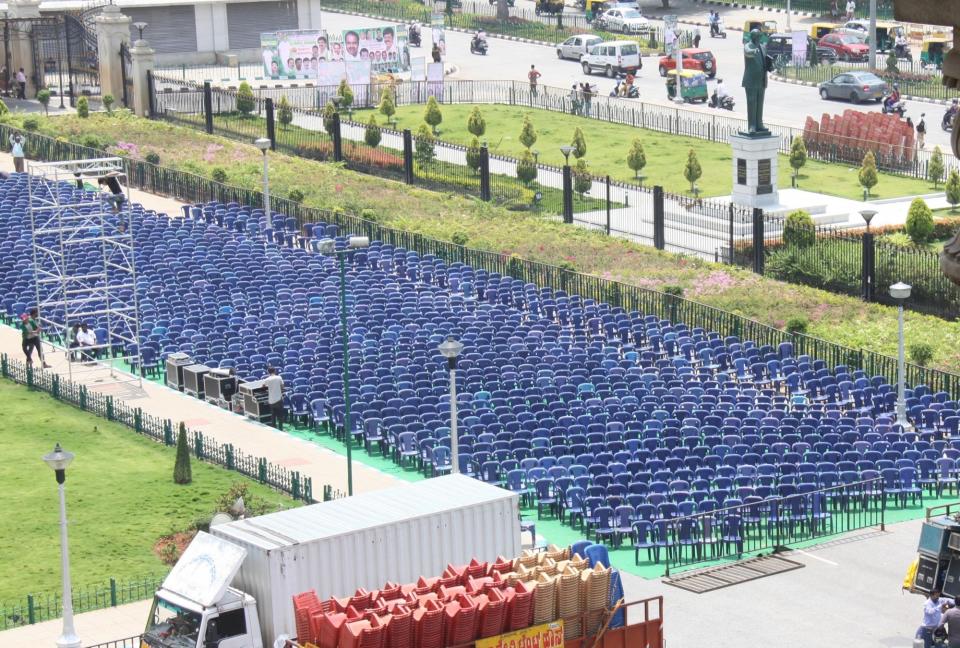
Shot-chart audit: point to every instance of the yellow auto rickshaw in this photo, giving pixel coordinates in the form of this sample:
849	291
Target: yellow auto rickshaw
933	50
593	8
821	29
766	27
693	85
887	34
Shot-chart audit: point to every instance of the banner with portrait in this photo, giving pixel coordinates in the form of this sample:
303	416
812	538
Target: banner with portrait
293	54
385	48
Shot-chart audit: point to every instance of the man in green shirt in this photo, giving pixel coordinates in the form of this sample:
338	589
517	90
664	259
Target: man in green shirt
30	330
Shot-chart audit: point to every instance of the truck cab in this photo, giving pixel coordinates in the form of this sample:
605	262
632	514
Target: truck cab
196	608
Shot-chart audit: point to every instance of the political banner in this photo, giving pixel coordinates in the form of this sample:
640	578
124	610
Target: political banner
799	50
331	73
293	54
547	635
385	48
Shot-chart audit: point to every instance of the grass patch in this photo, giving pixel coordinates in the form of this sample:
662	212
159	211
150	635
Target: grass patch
608	144
120	496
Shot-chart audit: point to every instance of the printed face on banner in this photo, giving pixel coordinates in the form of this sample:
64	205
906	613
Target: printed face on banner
385	48
293	54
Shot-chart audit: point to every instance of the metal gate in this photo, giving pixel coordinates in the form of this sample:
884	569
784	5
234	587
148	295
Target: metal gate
126	72
64	54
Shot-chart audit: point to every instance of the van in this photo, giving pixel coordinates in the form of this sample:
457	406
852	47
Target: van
612	58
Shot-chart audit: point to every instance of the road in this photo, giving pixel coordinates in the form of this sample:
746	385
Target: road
786	104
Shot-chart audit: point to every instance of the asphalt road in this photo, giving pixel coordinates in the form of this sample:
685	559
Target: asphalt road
786	104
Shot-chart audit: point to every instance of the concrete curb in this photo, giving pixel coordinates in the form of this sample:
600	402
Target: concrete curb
814	84
740	5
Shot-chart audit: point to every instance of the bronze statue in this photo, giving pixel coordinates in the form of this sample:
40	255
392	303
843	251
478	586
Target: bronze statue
756	64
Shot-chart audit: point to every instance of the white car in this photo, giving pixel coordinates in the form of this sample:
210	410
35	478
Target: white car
576	46
625	21
612	58
857	28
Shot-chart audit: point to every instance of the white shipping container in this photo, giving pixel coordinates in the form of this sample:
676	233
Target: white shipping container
397	534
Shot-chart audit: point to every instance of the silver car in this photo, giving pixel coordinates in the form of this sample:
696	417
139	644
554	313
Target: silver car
854	86
625	21
576	46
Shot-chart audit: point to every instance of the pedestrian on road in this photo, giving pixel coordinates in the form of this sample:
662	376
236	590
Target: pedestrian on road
533	75
16	150
951	621
274	384
921	134
696	38
30	334
575	101
587	92
435	52
851	7
21	84
933	609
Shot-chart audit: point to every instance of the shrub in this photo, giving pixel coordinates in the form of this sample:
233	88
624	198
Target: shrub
798	155
868	172
581	178
372	135
473	155
935	167
692	171
246	103
579	143
152	157
345	92
892	62
566	266
797	324
799	230
459	238
44	98
897	238
31	124
526	168
181	468
284	112
528	134
296	195
476	124
424	145
328	114
253	504
921	353
378	158
953	190
108	102
432	114
387	105
83	107
672	290
3	108
219	174
919	224
636	158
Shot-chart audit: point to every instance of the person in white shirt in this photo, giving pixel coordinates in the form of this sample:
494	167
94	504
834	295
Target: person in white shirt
21	84
86	340
721	90
851	7
274	384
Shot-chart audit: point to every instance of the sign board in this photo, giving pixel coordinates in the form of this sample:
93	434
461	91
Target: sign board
299	54
293	54
799	49
548	635
436	31
670	33
384	48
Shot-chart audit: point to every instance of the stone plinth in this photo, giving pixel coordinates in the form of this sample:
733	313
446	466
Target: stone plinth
755	170
113	28
142	60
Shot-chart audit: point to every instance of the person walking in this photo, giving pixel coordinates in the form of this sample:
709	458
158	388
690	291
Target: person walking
951	621
16	150
851	8
435	53
30	334
921	131
575	102
532	76
696	38
274	384
933	609
587	92
21	84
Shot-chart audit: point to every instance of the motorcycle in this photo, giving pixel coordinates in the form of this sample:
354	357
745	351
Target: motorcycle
890	107
413	36
948	118
478	46
717	30
903	52
726	103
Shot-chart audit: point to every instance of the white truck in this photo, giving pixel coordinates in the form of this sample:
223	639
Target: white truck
234	587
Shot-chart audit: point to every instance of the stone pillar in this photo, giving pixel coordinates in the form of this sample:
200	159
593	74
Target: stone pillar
142	59
21	45
755	170
113	28
308	14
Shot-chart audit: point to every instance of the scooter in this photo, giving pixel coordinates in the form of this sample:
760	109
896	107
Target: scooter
633	92
949	118
903	52
717	30
890	107
726	103
478	46
413	35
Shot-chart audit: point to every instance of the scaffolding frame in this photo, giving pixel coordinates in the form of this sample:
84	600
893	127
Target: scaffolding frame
70	227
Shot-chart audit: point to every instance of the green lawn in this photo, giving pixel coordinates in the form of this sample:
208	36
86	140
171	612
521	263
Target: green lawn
608	144
120	496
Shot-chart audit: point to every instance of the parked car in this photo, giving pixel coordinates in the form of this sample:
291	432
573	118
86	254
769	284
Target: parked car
693	59
857	28
854	86
576	46
847	47
612	58
625	21
780	46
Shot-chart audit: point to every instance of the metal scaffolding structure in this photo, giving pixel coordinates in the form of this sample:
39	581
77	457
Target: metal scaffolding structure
85	272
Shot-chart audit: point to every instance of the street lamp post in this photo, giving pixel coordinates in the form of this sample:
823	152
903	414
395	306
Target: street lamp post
263	144
901	292
328	247
567	184
58	460
867	269
450	350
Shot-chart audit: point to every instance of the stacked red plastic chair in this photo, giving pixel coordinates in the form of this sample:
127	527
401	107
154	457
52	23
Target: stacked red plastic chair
304	606
400	628
493	613
363	633
428	623
521	607
459	621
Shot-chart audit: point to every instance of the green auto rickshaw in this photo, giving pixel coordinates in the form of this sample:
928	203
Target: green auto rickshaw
933	50
693	85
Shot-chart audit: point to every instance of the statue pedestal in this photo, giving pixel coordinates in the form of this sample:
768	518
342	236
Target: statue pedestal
755	170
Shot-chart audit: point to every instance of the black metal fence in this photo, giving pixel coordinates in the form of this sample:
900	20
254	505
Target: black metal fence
189	187
769	523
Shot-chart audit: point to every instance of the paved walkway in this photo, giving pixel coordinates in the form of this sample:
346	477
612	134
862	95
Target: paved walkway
99	626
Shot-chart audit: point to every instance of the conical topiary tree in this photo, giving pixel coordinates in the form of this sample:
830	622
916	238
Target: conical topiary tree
284	112
388	106
432	114
798	156
935	168
246	103
692	171
181	468
345	92
473	155
952	189
579	143
372	133
581	178
526	168
424	145
328	113
528	134
868	172
636	158
476	124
